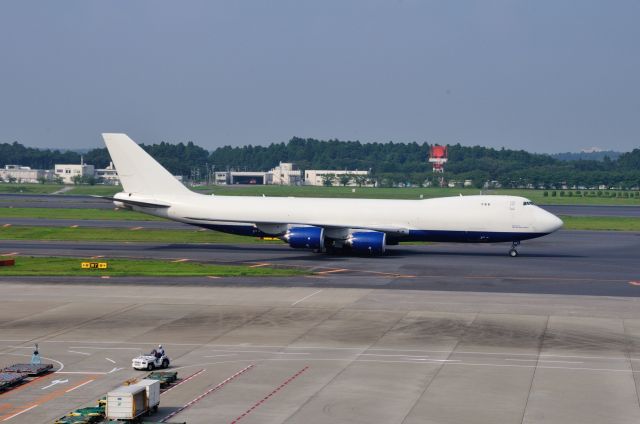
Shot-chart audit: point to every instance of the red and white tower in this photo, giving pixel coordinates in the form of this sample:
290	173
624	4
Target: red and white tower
438	157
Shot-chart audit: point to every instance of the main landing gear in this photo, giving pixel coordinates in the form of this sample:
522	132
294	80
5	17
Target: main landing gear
513	252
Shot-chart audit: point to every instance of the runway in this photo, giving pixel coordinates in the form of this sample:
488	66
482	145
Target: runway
89	202
567	262
53	201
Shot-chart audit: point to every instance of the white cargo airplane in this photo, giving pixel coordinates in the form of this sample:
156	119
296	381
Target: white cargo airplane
359	225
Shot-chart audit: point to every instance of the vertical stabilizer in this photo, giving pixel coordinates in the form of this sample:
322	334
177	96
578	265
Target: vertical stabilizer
138	172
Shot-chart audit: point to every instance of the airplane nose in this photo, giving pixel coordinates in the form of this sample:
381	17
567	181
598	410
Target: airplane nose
549	222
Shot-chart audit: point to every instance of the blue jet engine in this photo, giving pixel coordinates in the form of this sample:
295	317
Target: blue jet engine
305	237
371	242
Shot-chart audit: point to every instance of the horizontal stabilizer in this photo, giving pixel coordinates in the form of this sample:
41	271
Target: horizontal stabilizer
144	204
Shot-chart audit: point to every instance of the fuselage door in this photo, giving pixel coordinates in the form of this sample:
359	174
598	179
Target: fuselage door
512	205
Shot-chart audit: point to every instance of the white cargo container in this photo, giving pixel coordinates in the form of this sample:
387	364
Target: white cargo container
126	402
152	388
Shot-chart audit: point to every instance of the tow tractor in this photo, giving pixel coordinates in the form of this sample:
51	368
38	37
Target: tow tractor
150	362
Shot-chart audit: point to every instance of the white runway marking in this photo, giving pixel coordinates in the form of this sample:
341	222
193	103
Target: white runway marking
544	360
305	298
79	353
79	385
399	355
55	382
262	351
106	348
110	360
21	412
216	356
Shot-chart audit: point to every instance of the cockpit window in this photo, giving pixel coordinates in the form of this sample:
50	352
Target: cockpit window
528	202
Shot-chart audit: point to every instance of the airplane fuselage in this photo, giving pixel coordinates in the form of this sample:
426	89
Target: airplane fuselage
482	218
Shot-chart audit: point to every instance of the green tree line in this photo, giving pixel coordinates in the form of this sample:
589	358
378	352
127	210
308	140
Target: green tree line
388	162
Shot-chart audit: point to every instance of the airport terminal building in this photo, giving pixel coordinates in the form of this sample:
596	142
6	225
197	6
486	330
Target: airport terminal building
24	174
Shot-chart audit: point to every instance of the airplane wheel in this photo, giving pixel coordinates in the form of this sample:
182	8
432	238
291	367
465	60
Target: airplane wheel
513	253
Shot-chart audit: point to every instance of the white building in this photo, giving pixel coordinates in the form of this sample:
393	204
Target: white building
24	174
286	174
221	178
317	177
108	175
68	172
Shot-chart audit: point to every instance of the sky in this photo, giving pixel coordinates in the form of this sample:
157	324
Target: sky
540	75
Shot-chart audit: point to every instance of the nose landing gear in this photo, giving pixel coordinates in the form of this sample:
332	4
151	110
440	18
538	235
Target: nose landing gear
513	252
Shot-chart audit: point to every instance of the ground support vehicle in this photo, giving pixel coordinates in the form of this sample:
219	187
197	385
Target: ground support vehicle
32	370
127	403
150	362
17	374
9	380
152	388
166	378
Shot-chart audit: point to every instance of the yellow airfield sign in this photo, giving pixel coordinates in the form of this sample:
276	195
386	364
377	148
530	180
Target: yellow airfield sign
94	265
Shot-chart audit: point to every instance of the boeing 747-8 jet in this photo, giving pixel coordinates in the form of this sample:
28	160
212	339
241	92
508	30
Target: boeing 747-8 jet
320	224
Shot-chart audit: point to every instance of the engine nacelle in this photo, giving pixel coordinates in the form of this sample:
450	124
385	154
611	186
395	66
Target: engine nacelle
372	242
121	205
305	237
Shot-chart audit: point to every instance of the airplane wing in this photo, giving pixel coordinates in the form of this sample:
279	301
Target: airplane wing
383	229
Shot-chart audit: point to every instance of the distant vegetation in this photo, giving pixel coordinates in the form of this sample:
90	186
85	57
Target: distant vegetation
390	163
597	155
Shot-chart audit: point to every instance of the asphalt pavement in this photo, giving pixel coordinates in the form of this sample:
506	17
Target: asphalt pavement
567	262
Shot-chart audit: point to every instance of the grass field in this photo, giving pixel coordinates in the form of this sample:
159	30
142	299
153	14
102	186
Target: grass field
79	214
601	223
358	192
35	266
96	190
18	232
29	188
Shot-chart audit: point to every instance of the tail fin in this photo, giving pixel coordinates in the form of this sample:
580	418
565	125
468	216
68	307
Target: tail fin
138	171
